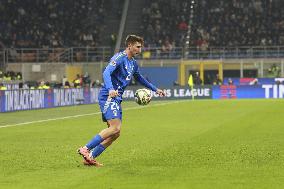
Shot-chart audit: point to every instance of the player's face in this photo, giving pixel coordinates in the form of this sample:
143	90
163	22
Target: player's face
135	48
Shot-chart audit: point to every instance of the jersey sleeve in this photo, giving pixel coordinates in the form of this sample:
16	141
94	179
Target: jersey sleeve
137	75
113	64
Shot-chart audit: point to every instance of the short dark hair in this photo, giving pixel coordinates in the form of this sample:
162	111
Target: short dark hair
131	39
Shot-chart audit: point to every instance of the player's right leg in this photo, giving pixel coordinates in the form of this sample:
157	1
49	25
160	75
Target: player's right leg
113	129
106	143
111	134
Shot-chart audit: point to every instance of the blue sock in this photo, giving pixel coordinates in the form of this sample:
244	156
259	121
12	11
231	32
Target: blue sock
94	142
98	150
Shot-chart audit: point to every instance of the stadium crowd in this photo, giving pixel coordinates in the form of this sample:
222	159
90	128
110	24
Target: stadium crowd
215	23
10	76
165	23
50	23
238	23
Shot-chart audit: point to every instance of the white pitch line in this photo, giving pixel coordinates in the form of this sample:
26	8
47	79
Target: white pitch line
81	115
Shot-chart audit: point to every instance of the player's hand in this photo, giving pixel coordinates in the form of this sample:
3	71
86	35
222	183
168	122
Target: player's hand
160	92
113	93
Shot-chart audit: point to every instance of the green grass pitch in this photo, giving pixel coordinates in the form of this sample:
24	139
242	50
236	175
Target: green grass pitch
168	144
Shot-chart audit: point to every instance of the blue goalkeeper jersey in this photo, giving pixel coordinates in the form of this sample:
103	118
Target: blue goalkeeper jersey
118	74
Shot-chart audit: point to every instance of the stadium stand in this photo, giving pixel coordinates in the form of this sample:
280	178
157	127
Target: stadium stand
238	23
83	31
165	22
37	24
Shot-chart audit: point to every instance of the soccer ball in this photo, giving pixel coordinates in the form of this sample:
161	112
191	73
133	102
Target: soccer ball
143	96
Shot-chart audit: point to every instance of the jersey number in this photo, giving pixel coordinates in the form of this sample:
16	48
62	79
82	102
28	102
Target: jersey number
114	106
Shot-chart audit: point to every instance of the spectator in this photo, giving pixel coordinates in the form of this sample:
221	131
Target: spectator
77	81
196	79
64	80
66	85
96	83
167	47
2	87
230	81
43	85
217	80
86	79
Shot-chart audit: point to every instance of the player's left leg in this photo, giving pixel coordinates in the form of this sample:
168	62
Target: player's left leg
102	146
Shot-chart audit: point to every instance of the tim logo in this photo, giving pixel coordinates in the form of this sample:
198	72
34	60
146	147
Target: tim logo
228	91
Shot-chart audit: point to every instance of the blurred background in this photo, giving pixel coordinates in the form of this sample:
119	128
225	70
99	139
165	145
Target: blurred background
68	43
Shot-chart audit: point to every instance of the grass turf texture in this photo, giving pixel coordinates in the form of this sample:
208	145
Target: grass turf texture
186	144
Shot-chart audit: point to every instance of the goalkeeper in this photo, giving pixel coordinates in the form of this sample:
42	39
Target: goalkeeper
117	76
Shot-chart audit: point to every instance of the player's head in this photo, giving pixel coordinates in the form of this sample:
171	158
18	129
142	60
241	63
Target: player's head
134	44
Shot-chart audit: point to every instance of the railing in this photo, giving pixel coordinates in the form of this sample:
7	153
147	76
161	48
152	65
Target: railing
31	54
74	54
235	52
89	54
215	53
95	54
159	53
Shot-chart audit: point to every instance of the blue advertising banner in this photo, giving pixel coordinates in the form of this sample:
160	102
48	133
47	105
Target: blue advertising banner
248	91
199	92
14	100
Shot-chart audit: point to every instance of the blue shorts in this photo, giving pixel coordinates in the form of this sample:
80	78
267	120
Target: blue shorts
110	108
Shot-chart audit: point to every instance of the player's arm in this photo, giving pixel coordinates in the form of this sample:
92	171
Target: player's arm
107	77
146	83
